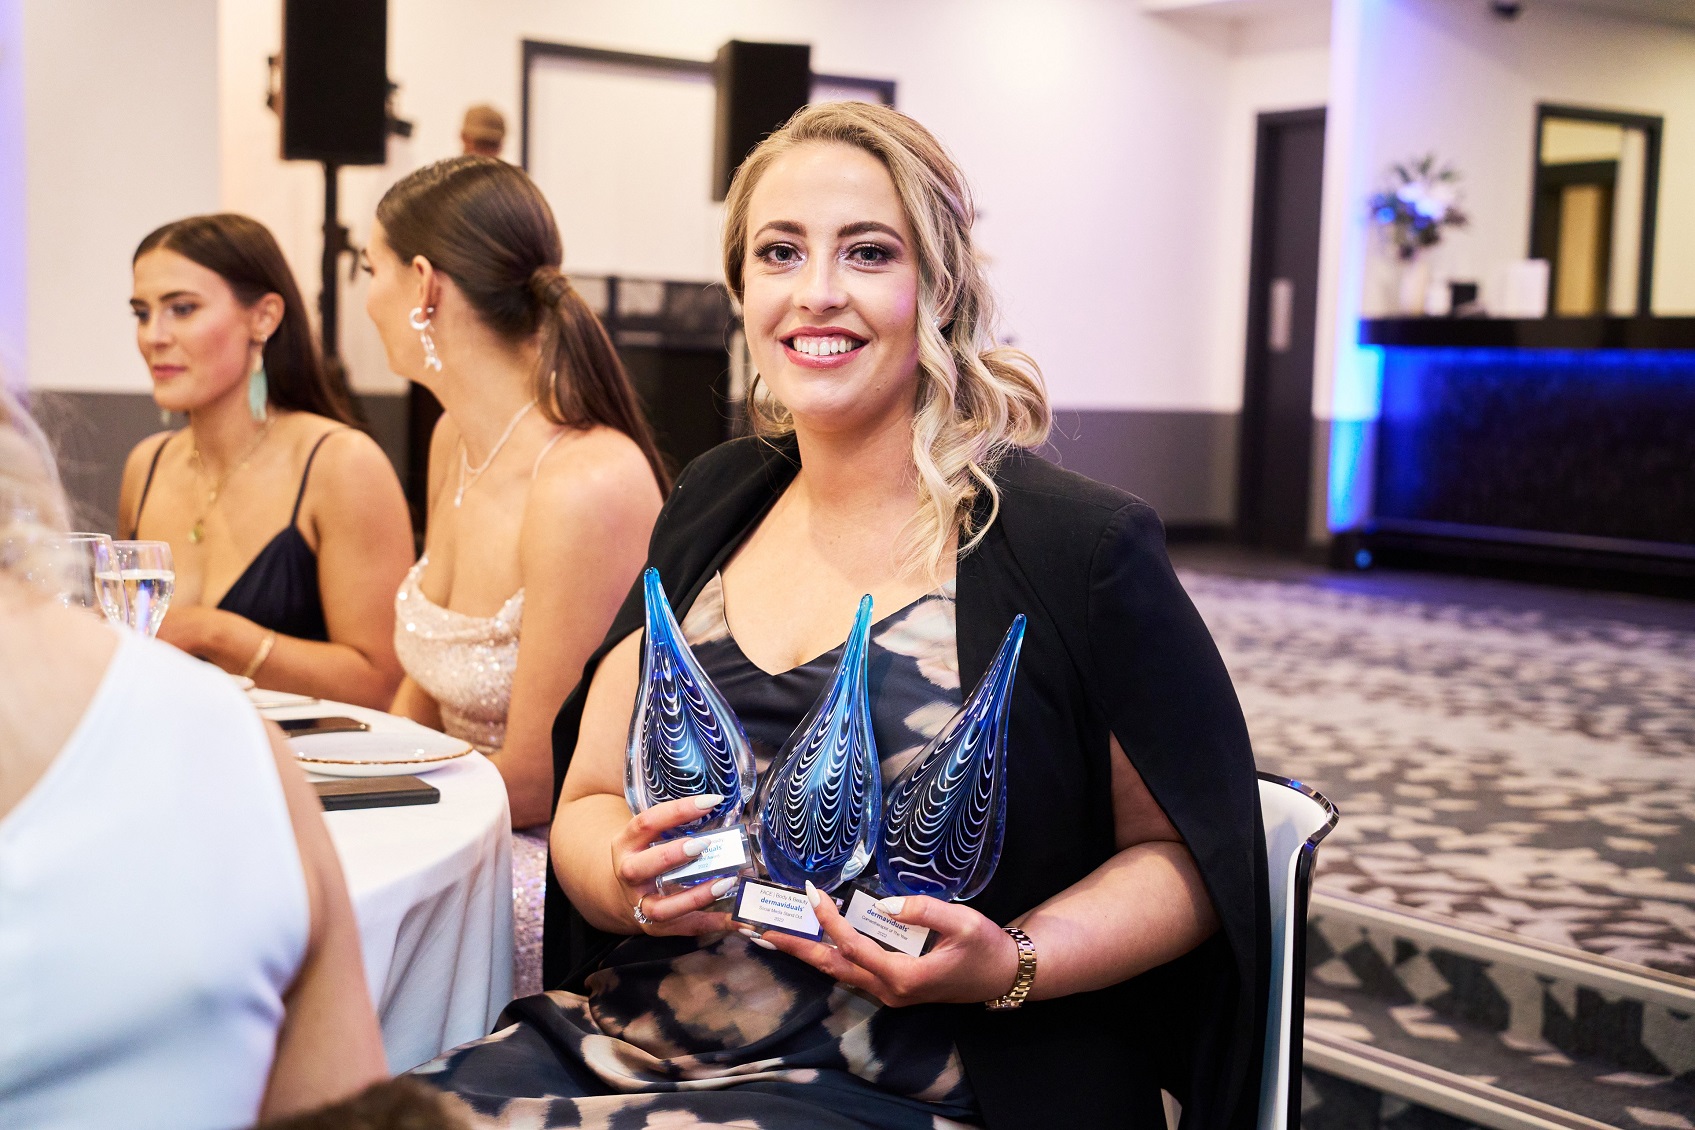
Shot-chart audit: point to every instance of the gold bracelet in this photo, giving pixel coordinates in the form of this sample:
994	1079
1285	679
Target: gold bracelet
1023	980
259	656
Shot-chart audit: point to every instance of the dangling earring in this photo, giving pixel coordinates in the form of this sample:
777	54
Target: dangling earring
259	388
420	321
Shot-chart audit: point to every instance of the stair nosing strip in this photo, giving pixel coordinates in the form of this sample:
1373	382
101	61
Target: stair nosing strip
1595	971
1440	1090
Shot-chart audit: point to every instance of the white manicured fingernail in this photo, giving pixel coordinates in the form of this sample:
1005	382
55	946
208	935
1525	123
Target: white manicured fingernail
812	893
763	944
722	886
745	932
692	848
892	906
709	800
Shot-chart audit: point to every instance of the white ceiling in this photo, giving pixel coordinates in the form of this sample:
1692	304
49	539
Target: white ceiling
1663	11
1232	9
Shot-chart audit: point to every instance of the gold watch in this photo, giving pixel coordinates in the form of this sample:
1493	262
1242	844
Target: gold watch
1026	973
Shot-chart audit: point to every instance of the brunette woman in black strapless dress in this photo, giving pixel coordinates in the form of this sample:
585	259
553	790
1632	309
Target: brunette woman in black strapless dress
287	524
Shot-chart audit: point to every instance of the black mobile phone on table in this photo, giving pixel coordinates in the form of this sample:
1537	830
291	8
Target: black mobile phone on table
303	727
374	792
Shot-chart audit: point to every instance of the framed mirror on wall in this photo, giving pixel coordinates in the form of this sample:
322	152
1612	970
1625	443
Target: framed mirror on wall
1592	212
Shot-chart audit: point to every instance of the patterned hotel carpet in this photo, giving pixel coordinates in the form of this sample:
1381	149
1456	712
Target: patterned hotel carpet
1512	768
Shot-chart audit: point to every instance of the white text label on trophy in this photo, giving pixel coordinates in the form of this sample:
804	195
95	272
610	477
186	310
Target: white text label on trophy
777	908
864	915
718	851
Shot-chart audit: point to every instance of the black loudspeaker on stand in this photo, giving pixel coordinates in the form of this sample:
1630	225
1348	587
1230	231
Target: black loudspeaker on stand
333	102
760	86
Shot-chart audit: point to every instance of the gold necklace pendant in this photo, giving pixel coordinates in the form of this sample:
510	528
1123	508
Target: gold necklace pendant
197	532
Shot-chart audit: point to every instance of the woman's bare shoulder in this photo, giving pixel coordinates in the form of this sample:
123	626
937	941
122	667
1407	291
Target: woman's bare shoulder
595	482
335	447
600	460
141	456
351	476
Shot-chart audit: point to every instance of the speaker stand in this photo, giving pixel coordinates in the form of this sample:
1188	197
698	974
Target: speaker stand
336	244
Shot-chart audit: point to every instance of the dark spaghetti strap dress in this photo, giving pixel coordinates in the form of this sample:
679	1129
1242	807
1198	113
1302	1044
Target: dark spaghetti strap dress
279	588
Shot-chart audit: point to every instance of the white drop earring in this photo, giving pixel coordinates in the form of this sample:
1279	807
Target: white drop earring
420	321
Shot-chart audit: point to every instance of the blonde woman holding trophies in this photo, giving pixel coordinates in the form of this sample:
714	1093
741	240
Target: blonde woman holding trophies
1120	943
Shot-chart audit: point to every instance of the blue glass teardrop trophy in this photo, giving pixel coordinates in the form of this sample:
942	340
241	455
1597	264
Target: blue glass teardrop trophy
819	801
686	741
944	816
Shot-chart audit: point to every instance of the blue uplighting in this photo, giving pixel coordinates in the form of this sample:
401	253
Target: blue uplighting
1578	441
1359	377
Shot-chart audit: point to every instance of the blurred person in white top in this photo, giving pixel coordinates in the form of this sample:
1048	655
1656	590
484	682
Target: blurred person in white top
176	943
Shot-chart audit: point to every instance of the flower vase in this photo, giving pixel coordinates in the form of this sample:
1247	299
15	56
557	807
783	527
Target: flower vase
1413	286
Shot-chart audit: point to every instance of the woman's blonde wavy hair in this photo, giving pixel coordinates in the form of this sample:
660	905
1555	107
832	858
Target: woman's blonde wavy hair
33	508
977	400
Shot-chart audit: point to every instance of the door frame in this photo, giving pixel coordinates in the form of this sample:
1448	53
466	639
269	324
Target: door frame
1251	433
1652	128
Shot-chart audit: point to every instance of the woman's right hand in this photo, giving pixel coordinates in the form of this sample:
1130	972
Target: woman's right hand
638	861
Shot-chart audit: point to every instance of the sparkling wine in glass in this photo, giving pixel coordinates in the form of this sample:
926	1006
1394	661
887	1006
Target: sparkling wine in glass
148	579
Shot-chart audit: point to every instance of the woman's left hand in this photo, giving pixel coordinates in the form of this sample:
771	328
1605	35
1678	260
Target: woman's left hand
189	628
973	959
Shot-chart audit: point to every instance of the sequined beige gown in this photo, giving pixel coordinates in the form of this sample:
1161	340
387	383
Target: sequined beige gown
466	664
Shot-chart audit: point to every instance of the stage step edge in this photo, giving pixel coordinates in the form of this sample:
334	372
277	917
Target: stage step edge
1439	1090
1593	971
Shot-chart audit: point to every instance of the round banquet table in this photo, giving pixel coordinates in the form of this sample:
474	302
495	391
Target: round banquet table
431	886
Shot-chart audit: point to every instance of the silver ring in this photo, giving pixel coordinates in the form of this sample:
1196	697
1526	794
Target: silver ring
641	915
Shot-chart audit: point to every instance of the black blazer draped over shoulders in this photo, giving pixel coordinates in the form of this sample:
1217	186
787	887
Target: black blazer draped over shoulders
1112	644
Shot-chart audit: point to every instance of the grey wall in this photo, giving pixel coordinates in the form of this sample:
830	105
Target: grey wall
1182	463
93	433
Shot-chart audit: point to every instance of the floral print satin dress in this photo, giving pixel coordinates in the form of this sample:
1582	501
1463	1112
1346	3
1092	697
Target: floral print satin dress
714	1031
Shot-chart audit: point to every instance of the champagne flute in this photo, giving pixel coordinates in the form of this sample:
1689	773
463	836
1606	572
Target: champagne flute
148	580
89	575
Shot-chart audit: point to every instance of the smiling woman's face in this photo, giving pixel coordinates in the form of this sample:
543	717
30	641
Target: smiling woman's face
830	296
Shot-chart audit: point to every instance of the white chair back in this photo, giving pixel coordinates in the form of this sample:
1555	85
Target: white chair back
1296	818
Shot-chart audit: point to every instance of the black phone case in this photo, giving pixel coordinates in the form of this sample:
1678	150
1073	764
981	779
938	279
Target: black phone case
306	727
374	792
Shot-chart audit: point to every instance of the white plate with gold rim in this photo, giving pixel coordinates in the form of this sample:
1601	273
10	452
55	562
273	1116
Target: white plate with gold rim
376	753
277	700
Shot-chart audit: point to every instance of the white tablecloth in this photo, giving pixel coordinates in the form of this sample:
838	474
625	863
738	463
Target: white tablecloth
432	890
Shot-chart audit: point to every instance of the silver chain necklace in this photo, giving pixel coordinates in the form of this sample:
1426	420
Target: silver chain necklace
469	474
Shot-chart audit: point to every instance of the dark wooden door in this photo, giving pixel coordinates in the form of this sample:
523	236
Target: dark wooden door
1580	253
1277	421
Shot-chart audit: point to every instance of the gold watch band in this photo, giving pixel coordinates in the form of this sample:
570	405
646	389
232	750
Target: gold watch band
1026	973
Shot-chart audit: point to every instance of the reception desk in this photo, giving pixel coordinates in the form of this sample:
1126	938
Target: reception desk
1555	440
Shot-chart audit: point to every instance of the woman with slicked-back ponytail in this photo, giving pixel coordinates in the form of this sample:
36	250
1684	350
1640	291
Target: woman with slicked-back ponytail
544	479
